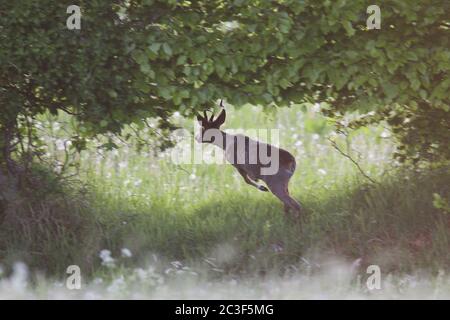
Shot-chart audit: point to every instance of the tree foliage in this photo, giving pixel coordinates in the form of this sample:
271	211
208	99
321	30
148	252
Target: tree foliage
142	58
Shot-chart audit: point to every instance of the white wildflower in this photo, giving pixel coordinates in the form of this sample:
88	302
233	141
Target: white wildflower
107	260
60	144
176	264
137	182
141	273
126	253
316	107
118	284
123	164
20	276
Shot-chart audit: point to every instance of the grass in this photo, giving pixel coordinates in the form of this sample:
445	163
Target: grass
204	220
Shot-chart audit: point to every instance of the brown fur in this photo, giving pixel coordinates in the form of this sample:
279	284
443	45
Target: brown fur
252	172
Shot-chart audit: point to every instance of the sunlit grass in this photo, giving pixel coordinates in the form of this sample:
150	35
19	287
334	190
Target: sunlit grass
221	236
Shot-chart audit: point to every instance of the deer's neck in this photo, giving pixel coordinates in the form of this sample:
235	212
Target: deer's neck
222	143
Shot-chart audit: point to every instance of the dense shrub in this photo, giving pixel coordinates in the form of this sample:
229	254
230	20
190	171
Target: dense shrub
138	59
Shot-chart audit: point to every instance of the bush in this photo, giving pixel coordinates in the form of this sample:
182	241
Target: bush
45	222
152	58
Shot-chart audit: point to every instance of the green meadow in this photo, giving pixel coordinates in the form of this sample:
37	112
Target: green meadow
145	226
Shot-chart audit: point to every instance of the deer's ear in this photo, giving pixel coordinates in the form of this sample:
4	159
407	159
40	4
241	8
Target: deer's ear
221	118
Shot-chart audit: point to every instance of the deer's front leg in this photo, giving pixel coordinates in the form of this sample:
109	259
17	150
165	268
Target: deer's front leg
249	181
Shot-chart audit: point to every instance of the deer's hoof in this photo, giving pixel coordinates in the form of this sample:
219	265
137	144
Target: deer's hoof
262	188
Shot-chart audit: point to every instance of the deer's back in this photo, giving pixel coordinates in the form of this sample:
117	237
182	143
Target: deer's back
252	155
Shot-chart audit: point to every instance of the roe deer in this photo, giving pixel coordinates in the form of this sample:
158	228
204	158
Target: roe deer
246	156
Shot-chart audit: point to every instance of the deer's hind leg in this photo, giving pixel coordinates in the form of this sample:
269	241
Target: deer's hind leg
279	187
293	204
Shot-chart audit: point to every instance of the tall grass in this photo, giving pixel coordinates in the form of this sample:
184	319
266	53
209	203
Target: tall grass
207	218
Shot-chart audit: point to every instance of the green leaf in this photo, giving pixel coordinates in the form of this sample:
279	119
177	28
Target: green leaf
415	83
348	28
145	67
167	50
165	92
285	83
220	69
181	60
112	93
154	47
109	146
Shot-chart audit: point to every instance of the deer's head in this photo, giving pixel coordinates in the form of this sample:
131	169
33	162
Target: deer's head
210	124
